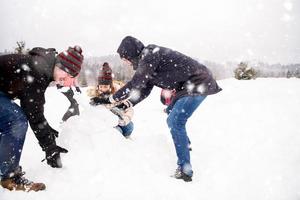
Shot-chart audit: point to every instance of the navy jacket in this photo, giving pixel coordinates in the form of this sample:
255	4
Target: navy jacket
164	68
26	77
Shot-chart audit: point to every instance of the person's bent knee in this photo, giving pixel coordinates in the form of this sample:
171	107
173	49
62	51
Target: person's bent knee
19	125
176	122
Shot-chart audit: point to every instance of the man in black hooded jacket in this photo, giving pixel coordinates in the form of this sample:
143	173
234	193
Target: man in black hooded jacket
167	69
26	77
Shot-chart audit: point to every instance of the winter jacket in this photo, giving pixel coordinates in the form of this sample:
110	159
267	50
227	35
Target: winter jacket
26	77
164	68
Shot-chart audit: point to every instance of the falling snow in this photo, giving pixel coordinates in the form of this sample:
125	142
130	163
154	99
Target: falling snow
25	67
201	89
156	49
135	94
29	79
190	87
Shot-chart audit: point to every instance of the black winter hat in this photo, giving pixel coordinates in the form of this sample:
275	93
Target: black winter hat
71	60
105	76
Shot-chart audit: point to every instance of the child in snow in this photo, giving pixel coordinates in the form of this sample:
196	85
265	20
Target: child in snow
107	87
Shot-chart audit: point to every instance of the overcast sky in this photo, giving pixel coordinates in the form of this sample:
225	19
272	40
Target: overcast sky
216	30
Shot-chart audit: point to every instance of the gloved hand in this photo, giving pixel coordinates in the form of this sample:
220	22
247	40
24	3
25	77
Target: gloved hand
53	155
78	90
99	100
124	105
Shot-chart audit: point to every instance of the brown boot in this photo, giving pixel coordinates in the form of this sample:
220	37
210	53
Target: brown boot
18	182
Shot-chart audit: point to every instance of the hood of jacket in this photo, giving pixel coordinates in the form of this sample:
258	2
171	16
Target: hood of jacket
131	49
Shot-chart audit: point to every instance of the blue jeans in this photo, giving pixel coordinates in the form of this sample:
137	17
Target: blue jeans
178	116
125	130
13	128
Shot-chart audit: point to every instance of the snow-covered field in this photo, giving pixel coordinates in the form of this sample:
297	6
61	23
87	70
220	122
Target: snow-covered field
246	146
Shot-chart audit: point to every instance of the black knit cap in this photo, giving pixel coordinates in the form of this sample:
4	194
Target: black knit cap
105	75
71	60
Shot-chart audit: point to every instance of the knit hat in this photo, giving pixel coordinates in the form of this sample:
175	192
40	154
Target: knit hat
105	76
71	60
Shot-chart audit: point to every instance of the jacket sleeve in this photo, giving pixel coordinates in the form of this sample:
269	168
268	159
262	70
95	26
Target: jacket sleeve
140	86
33	106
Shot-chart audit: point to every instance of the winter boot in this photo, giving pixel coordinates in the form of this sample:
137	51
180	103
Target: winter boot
17	182
179	174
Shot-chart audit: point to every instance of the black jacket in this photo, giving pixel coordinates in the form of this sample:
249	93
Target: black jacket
26	77
164	68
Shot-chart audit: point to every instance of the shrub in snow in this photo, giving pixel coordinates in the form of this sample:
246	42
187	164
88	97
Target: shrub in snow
243	72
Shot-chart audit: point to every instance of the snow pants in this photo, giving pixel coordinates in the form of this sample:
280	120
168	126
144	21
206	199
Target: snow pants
179	113
13	128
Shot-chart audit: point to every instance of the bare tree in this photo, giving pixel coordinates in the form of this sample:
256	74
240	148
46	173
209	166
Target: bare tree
20	49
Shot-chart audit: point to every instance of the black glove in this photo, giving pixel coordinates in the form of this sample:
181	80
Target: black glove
78	90
99	101
53	155
124	105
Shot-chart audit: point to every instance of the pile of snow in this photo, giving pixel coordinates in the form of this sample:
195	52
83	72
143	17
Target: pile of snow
246	145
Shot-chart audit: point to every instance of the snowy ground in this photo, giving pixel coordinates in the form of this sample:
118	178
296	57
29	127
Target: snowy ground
246	146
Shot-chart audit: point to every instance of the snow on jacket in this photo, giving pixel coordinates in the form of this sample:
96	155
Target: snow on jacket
26	77
164	68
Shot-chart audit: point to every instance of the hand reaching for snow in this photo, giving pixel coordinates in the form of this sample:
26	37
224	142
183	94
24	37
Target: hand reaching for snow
53	155
77	89
124	105
99	101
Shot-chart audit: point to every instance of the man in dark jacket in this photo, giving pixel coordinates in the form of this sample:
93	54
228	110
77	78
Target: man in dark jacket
167	69
26	77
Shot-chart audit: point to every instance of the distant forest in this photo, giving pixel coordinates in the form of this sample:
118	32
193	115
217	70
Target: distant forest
92	65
